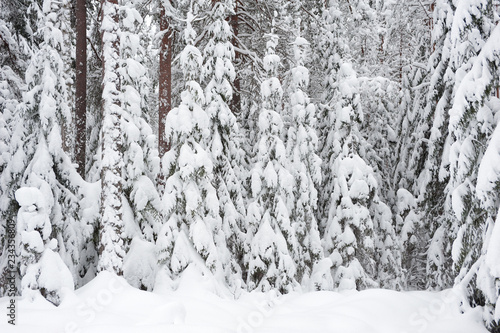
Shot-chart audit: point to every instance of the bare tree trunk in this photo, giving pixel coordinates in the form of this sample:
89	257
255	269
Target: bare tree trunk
236	101
400	57
111	244
165	77
81	86
431	24
381	49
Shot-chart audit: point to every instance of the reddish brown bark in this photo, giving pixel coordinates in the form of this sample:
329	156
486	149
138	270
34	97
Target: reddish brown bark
381	49
400	57
236	101
81	86
431	24
165	84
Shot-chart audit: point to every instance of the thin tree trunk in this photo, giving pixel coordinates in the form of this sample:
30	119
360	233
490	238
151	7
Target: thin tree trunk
431	25
400	57
381	49
236	101
111	244
165	77
81	86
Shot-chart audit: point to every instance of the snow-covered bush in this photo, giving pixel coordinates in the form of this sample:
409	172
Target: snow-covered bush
42	269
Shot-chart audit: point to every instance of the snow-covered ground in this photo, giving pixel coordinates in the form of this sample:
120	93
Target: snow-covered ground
108	304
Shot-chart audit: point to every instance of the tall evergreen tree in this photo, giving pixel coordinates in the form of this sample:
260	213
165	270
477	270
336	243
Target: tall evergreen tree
140	157
474	181
332	48
406	49
224	141
271	237
38	159
12	65
433	131
348	237
193	228
305	165
111	238
470	126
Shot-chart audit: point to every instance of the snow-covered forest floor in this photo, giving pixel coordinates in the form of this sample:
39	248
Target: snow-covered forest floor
200	304
277	146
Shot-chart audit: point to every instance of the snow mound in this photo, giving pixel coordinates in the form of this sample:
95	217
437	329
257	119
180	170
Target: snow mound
108	304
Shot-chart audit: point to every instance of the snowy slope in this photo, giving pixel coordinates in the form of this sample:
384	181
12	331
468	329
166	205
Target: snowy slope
108	304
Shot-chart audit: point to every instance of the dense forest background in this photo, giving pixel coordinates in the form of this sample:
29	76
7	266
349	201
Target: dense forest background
278	145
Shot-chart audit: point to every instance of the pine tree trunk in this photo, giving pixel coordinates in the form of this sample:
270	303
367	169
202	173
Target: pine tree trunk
400	57
81	86
111	251
431	24
236	101
165	86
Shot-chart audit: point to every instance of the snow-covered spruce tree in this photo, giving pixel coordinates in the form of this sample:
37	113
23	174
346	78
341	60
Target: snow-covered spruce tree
488	187
409	225
194	227
42	269
8	103
388	255
37	156
409	25
474	157
331	49
272	241
111	245
340	119
379	140
349	240
251	21
409	130
377	99
224	141
149	60
403	180
12	65
413	239
459	32
471	124
142	205
305	167
430	150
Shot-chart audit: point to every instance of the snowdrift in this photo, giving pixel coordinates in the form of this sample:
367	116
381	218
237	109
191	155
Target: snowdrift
197	303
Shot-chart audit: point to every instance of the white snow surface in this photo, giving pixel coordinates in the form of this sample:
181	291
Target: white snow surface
197	303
